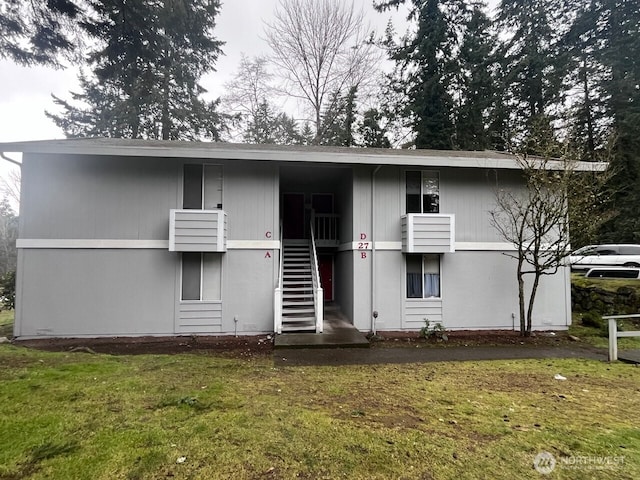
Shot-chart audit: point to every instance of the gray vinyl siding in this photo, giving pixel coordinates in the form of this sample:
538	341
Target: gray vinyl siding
362	308
251	193
479	291
469	194
100	292
387	205
136	291
97	197
198	231
249	281
430	233
199	317
388	289
343	282
416	311
361	203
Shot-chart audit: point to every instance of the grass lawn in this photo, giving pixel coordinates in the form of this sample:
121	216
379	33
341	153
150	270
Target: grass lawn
191	416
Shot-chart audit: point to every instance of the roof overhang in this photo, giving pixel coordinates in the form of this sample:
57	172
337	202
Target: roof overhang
284	153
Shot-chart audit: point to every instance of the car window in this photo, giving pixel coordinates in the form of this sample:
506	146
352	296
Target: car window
613	273
605	251
629	250
585	251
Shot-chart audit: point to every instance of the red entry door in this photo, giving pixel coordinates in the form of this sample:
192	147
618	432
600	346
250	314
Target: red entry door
325	266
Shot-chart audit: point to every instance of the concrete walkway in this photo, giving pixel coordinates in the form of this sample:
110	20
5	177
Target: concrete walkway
381	355
629	356
338	333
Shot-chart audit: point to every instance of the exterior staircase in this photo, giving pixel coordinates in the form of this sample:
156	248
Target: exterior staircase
298	310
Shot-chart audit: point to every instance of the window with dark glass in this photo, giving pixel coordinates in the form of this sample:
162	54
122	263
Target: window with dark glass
202	187
422	191
191	275
192	187
423	276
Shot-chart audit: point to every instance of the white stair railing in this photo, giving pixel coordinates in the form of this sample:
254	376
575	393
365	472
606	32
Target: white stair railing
325	227
318	297
277	297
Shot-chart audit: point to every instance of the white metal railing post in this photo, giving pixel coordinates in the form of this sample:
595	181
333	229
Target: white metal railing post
613	340
318	298
277	295
320	310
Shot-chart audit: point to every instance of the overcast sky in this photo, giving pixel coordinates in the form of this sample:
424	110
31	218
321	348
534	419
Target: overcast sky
25	93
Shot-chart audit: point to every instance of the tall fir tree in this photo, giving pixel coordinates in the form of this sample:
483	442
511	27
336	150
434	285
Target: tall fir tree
371	132
620	54
425	63
476	84
267	126
145	72
588	121
338	120
532	67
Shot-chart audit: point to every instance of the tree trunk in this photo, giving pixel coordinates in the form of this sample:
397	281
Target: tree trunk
532	298
521	299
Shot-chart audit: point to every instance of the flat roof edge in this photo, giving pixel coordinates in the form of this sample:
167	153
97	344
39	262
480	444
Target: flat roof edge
341	155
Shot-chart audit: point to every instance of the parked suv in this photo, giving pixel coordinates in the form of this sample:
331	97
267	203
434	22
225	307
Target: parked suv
605	255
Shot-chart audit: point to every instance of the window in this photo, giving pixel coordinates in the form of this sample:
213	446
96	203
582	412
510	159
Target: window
202	187
423	192
191	276
201	276
423	276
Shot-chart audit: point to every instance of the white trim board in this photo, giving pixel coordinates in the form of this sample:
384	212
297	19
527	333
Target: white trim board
70	243
88	243
462	246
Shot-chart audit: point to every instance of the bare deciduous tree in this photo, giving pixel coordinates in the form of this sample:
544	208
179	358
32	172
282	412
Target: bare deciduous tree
535	219
320	47
11	186
249	88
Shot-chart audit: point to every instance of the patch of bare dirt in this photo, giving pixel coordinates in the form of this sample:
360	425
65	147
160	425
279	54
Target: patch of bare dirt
235	347
260	345
468	338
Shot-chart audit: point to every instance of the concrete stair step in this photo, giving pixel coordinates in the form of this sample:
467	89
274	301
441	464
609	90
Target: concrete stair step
299	329
302	303
295	311
298	319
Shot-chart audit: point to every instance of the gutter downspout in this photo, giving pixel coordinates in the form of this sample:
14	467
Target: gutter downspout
374	313
10	160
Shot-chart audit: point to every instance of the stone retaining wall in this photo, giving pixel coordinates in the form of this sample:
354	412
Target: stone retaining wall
605	302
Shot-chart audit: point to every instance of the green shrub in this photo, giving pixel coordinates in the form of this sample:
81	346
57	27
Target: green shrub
433	331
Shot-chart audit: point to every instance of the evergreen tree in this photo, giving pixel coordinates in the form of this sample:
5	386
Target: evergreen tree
369	129
39	32
532	64
476	84
145	72
425	64
267	126
338	120
588	119
620	54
